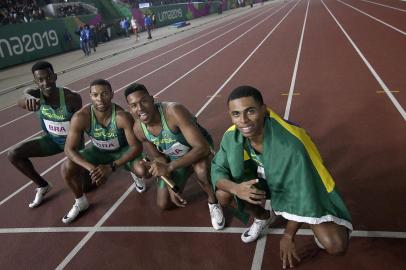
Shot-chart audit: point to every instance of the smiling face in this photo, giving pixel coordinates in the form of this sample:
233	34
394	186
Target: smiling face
248	115
142	106
101	96
46	80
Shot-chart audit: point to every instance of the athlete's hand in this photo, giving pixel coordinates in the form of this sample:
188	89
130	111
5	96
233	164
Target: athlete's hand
248	192
157	168
32	104
176	198
100	174
287	251
144	164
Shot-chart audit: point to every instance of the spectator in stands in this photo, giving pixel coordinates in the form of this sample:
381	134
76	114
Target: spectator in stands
84	40
125	25
148	24
91	37
19	11
153	17
134	27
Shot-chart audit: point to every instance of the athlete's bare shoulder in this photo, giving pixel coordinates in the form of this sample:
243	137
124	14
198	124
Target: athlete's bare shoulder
73	100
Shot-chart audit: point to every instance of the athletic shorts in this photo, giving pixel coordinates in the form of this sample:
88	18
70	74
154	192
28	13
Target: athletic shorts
48	146
178	176
95	156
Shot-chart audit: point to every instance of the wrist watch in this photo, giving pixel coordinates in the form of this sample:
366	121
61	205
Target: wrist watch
113	166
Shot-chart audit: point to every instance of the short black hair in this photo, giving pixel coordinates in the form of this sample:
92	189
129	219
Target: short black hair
134	87
101	82
42	65
246	91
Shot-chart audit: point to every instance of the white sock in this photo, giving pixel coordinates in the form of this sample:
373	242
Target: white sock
81	200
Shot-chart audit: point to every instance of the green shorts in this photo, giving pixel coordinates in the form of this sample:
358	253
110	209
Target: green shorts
178	176
181	175
96	156
48	146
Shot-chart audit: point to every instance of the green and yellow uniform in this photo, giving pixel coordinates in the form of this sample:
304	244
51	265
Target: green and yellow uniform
173	145
55	123
108	143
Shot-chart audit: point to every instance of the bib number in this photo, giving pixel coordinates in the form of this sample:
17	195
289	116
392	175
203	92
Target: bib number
176	150
109	145
261	172
57	128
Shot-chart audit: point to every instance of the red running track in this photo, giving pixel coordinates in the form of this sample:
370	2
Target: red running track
359	131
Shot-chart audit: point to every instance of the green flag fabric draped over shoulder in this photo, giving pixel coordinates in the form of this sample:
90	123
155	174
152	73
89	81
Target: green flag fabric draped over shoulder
301	188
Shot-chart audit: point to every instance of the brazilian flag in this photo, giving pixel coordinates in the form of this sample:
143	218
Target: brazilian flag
301	188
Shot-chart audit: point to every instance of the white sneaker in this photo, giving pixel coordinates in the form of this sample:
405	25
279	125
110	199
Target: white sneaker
74	212
217	217
258	226
320	245
139	183
39	195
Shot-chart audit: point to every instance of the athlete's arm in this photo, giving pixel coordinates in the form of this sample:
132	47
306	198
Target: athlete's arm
30	100
126	122
179	117
78	125
287	247
73	101
245	191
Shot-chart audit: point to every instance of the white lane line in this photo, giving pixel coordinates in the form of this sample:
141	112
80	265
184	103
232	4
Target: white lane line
379	4
372	17
245	61
121	229
213	55
30	182
371	69
174	229
26	139
98	225
7	107
293	81
260	247
16	119
149	59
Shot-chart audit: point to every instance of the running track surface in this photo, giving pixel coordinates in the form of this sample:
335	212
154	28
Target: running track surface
335	67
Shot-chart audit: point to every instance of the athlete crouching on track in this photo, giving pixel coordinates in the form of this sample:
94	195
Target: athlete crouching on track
178	145
55	107
113	145
263	156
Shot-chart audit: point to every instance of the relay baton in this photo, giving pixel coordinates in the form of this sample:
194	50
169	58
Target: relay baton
168	181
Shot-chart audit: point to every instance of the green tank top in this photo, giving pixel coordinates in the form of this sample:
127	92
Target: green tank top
173	145
257	158
108	138
55	122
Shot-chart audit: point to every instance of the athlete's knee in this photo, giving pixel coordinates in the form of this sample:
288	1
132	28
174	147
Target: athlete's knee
163	200
203	173
14	155
335	245
202	168
68	168
141	171
224	198
164	204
